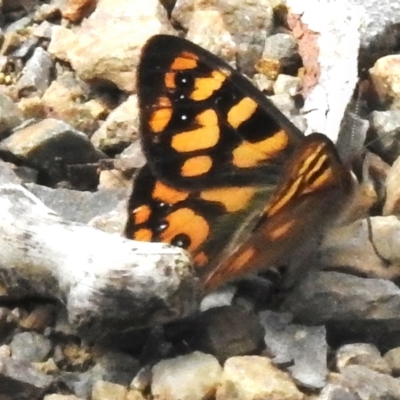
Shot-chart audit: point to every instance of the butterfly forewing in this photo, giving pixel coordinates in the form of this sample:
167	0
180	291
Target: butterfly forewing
203	124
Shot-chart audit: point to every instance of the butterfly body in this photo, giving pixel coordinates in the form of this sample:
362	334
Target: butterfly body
228	177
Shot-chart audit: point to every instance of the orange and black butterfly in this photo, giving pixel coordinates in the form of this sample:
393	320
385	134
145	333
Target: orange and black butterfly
228	176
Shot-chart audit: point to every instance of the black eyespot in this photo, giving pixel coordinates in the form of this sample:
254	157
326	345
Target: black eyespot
181	240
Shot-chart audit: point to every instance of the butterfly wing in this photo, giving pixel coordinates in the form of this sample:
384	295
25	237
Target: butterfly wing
203	124
216	150
313	190
203	222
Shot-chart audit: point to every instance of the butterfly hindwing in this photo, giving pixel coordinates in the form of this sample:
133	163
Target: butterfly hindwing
314	187
203	222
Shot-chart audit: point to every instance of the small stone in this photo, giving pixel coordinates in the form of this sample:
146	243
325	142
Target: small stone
287	84
19	24
392	201
113	221
113	179
116	366
65	99
78	206
385	76
43	30
20	380
77	356
134	395
335	298
48	367
51	146
103	390
25	48
279	46
386	124
304	348
10	116
57	396
46	11
284	102
26	174
254	377
36	73
218	298
368	384
75	10
263	83
5	351
142	379
132	158
194	376
30	347
392	357
228	331
336	392
364	354
79	383
91	48
39	319
120	128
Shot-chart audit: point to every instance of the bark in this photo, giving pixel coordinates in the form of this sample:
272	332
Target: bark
106	282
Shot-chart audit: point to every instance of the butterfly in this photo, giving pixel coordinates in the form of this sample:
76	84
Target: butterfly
228	177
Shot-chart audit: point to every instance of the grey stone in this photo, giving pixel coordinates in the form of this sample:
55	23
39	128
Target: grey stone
26	47
228	331
279	46
54	147
304	347
343	302
20	381
78	383
10	116
116	367
7	175
44	30
369	384
19	24
35	76
336	392
386	124
78	206
380	30
30	346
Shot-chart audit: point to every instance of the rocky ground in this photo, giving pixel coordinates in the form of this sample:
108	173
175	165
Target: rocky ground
69	135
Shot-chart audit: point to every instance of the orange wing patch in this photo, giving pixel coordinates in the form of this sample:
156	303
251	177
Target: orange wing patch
241	112
185	60
205	87
202	138
196	166
161	115
248	155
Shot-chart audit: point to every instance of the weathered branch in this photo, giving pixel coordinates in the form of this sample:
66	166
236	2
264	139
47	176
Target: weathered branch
106	282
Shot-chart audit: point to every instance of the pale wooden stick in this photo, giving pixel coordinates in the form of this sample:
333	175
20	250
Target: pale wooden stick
106	282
